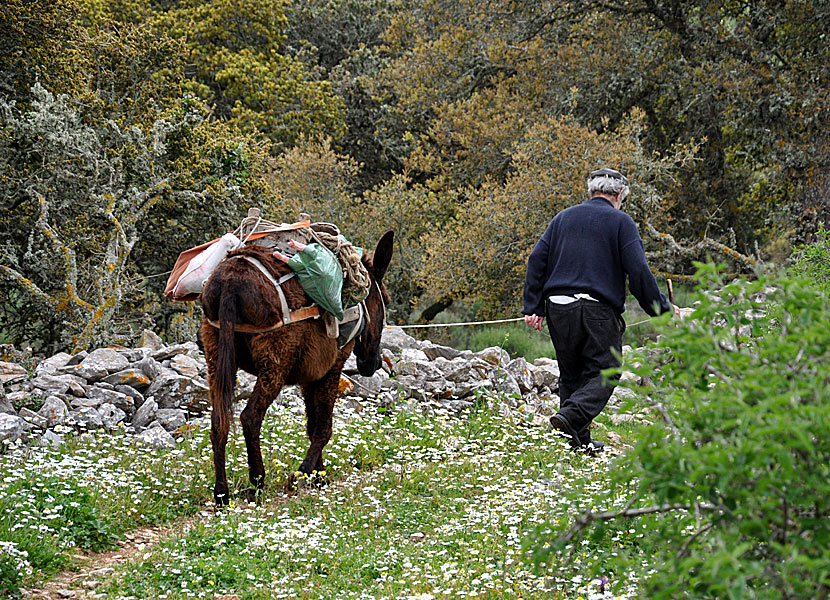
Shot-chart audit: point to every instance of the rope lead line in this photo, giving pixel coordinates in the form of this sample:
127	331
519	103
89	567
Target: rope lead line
479	323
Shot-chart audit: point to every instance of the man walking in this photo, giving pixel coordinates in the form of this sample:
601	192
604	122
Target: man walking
576	279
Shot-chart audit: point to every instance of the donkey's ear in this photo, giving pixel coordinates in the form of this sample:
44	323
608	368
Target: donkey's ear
383	255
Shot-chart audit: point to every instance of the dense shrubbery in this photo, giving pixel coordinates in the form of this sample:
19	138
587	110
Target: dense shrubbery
81	197
734	479
813	260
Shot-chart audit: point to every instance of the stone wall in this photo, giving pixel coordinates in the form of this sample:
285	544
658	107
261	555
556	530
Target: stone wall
155	391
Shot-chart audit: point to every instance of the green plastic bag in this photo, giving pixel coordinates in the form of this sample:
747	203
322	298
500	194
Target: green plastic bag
320	275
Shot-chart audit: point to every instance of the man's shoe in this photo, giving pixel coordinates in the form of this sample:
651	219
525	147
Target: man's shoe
594	447
560	423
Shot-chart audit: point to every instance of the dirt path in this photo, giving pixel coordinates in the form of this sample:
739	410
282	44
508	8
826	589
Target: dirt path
93	568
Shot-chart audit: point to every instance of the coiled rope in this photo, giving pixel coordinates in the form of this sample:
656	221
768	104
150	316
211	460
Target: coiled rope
356	279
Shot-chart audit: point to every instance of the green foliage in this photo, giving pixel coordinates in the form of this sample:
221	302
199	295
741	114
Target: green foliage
482	253
419	505
468	81
86	493
33	402
314	178
462	127
341	40
738	472
234	48
36	46
412	211
85	527
812	260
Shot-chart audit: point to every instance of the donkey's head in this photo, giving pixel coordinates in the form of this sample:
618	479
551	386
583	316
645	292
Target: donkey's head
367	347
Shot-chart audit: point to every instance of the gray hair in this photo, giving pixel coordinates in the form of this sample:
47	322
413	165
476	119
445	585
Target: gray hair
608	181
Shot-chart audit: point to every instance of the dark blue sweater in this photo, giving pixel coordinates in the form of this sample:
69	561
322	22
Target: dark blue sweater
590	248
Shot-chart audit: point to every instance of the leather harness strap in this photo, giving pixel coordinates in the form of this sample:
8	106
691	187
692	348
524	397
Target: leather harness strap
350	314
286	312
289	316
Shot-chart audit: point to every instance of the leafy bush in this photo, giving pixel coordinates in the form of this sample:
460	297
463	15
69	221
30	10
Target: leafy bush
735	481
482	253
79	198
86	529
813	260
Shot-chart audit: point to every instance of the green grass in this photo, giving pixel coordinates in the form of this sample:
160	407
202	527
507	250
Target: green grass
87	494
417	507
517	339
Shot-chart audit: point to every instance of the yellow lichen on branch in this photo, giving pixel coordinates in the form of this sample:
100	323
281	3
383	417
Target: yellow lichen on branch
674	253
27	285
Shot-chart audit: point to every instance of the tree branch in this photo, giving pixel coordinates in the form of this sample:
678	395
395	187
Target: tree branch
27	285
668	420
697	534
589	517
68	255
696	251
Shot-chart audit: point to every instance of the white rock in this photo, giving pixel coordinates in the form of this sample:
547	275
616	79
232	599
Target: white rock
50	438
33	418
157	437
395	339
494	355
150	340
54	410
52	384
111	415
11	372
53	363
145	414
171	418
12	427
88	417
107	359
185	365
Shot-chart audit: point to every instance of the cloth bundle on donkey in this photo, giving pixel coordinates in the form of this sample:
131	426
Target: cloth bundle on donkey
327	265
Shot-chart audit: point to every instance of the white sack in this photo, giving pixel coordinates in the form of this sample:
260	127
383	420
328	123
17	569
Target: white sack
203	264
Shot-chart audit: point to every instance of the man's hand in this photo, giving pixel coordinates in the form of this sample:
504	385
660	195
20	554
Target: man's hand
298	246
534	321
681	313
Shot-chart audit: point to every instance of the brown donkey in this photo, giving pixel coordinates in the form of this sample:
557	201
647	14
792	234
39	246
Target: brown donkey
244	306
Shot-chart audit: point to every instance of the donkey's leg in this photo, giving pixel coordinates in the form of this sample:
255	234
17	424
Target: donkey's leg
267	388
319	402
251	419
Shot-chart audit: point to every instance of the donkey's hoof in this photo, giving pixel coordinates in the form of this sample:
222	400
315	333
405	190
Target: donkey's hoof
299	479
319	480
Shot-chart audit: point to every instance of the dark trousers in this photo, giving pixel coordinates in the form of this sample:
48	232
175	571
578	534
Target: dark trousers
583	334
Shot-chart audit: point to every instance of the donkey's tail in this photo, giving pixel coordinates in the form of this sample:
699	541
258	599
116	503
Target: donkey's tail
225	360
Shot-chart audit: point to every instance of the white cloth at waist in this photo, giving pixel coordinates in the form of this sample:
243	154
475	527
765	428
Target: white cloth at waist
569	299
